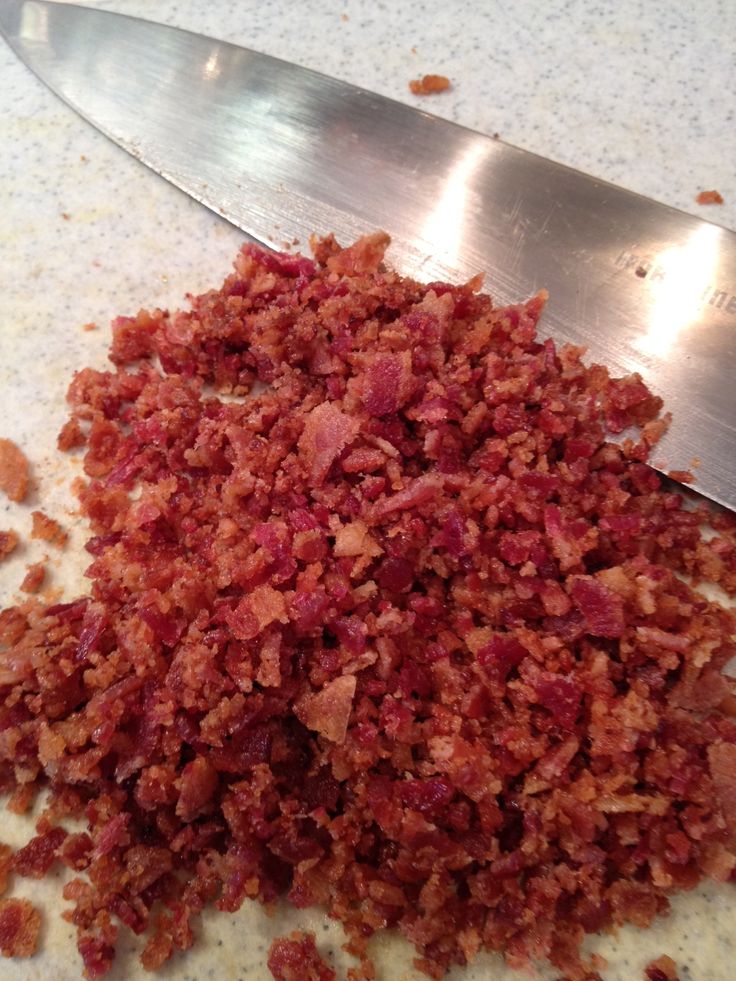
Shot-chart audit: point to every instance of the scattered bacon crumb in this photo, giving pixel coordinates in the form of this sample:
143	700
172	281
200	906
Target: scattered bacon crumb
66	216
405	635
8	543
71	436
429	84
663	969
34	577
6	860
13	471
22	798
48	529
296	958
681	476
89	326
344	18
20	923
709	197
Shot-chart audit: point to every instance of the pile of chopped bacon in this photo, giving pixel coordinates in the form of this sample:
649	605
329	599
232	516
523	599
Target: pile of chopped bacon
404	635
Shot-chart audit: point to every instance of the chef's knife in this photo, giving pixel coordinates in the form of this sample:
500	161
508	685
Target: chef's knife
282	152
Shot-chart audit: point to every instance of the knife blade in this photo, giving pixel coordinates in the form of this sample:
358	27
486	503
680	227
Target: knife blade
282	151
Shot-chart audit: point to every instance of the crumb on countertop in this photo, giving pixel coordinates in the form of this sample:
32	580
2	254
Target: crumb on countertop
13	470
8	543
663	969
48	530
34	577
709	197
20	923
429	85
71	436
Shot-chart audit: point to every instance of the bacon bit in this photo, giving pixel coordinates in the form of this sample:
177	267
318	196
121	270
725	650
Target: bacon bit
709	197
34	577
22	798
6	862
602	609
71	436
36	858
429	85
196	788
405	635
681	476
327	432
663	969
90	326
8	543
14	477
722	759
329	710
20	923
48	530
296	958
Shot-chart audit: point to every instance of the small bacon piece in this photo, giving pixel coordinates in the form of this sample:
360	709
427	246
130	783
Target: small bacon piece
429	85
47	529
387	384
8	543
20	923
296	958
34	577
6	864
709	197
602	608
722	760
662	969
328	711
14	469
327	432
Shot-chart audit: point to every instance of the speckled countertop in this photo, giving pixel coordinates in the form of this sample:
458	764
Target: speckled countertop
639	93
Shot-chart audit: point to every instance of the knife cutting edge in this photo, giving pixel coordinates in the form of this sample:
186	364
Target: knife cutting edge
282	151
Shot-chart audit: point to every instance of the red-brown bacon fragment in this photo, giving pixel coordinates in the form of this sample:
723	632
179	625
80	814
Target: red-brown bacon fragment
405	635
6	862
296	958
661	969
20	923
14	471
8	543
34	577
48	529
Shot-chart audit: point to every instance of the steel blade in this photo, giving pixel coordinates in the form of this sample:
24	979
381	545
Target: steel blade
282	152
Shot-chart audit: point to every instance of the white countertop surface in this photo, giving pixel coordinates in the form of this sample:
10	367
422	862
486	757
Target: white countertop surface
637	93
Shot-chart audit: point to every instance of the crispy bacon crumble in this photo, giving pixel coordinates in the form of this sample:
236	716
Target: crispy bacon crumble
709	197
429	85
8	543
48	529
296	958
14	471
662	969
20	923
34	577
404	635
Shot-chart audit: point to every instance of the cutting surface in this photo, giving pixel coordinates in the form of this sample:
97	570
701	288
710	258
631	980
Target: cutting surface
88	233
